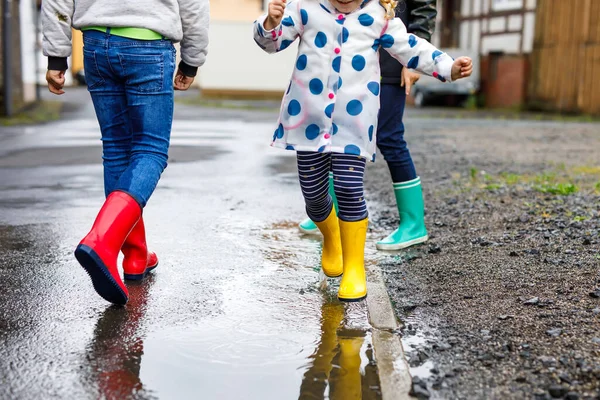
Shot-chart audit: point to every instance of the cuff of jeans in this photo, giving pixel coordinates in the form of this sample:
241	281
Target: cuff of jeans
188	70
57	64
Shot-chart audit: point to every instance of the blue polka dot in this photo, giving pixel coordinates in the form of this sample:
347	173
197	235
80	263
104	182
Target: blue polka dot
386	41
337	63
345	35
280	131
374	87
371	129
412	41
358	62
413	63
341	21
334	129
321	40
316	86
365	19
339	82
289	147
374	155
304	16
325	8
436	54
301	63
322	148
312	131
352	149
329	110
288	21
260	30
294	107
285	44
289	87
354	107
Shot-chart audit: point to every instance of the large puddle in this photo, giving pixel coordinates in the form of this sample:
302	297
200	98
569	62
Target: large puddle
301	344
237	309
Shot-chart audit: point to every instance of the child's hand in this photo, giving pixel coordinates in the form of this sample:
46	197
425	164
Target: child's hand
462	68
276	8
56	81
182	82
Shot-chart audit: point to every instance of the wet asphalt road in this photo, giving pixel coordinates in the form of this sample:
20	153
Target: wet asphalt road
237	308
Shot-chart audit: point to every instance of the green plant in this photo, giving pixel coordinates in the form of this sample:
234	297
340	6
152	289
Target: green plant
492	186
563	189
473	173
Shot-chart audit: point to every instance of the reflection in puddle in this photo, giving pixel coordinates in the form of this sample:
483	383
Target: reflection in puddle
281	334
342	366
115	353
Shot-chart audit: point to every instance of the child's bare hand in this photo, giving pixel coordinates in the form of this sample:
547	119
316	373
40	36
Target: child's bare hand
56	81
182	82
462	68
276	9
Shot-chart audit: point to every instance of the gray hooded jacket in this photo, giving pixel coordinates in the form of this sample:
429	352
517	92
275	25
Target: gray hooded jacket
184	21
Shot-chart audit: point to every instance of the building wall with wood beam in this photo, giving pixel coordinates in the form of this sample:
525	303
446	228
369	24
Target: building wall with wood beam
566	57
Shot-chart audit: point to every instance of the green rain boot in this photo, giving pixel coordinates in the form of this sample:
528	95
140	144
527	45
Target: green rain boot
307	226
409	198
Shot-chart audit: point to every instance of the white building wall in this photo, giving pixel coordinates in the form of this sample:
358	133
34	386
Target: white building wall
509	43
484	34
235	61
528	32
27	11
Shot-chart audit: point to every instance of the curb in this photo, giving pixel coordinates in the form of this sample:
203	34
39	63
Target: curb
394	375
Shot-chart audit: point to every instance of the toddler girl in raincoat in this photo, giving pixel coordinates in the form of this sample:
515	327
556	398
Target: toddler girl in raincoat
329	111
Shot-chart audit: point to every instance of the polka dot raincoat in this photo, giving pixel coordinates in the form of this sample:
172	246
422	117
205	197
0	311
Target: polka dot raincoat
332	102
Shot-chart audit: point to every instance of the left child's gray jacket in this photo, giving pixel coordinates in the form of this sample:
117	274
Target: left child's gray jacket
184	21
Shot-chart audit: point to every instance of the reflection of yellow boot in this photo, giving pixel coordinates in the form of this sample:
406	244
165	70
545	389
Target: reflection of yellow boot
348	386
331	258
317	378
354	283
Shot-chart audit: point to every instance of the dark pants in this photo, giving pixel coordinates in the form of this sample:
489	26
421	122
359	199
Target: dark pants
348	174
390	133
131	86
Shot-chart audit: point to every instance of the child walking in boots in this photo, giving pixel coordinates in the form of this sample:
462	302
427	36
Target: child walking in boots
129	72
329	112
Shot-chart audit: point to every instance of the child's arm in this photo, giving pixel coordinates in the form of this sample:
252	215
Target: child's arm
277	29
416	53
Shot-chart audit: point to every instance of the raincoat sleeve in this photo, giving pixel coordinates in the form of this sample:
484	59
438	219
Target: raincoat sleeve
280	37
414	52
57	16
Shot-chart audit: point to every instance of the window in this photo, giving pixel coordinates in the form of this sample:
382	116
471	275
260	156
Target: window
503	5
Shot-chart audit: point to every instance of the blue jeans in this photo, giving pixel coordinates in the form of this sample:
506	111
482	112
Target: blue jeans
390	133
131	85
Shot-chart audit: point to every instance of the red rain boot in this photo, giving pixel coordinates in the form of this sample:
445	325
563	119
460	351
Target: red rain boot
138	261
98	251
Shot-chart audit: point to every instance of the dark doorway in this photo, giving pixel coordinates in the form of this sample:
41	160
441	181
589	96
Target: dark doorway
449	27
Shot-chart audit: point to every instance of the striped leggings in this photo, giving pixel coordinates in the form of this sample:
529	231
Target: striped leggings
348	173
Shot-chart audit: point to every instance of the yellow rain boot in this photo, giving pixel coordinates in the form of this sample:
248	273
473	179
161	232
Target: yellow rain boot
354	283
331	258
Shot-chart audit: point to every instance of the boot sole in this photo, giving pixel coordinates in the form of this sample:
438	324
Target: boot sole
104	284
139	277
400	246
333	276
309	231
352	300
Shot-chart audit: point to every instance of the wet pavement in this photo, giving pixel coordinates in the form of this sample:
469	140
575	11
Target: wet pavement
237	308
